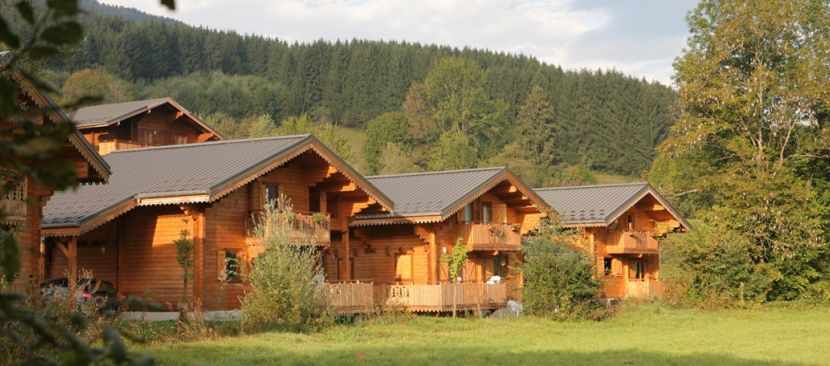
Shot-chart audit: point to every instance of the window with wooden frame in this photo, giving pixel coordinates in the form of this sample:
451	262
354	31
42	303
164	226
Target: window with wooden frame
486	212
468	213
607	266
181	139
272	191
637	270
403	267
228	265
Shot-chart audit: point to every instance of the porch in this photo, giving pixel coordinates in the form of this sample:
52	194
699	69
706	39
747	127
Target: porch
441	297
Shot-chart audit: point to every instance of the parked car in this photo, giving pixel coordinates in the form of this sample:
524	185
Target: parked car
101	292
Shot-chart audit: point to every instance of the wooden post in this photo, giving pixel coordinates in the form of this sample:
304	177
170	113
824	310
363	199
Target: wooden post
41	261
72	258
347	266
323	202
434	268
198	227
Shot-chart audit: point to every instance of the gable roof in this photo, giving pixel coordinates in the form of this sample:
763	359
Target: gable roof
440	194
600	205
190	173
109	114
99	171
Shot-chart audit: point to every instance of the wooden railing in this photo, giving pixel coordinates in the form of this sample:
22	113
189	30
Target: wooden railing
643	288
634	242
352	296
426	297
307	227
493	236
106	147
13	203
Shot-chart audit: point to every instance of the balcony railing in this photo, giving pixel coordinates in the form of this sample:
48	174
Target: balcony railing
13	204
425	297
106	147
634	242
493	236
307	228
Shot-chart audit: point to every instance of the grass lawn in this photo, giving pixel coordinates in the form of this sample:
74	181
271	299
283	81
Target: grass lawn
647	335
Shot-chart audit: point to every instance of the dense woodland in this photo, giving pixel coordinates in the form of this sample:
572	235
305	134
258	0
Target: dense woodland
604	120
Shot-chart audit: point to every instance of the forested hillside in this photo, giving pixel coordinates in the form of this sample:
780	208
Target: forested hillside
603	121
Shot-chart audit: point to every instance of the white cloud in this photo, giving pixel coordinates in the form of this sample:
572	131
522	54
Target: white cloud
637	37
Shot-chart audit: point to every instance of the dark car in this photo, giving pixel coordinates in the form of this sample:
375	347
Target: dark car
102	292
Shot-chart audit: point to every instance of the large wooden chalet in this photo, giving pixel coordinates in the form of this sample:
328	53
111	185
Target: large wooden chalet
623	225
141	123
22	206
395	258
124	231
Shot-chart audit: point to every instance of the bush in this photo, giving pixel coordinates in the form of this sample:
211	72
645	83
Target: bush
712	265
559	276
286	290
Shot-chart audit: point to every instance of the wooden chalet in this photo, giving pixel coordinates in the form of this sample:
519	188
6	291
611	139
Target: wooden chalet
123	232
141	123
395	258
22	206
623	226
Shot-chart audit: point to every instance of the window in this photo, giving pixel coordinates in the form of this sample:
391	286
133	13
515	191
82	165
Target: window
403	267
486	212
271	193
638	270
606	265
630	222
468	213
500	262
181	139
228	263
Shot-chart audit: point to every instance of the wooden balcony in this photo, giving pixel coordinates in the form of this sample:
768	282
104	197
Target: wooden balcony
643	288
106	147
634	242
493	237
13	204
307	227
357	297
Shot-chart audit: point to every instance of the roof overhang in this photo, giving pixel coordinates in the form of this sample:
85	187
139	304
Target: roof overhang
100	167
619	211
504	175
145	109
220	190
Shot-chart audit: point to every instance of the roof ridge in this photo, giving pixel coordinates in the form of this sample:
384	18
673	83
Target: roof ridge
211	143
125	102
435	172
593	186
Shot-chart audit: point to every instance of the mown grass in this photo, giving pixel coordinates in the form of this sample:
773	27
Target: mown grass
645	335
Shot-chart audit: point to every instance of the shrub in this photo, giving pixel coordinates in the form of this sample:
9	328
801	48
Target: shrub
559	276
285	290
713	265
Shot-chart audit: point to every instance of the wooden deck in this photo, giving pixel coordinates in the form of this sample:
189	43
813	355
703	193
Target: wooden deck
367	296
633	242
308	227
493	237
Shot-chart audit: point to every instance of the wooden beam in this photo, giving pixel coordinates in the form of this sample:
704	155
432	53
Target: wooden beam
197	217
324	203
434	268
347	264
72	259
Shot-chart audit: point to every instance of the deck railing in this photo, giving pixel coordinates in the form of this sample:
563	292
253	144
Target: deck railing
634	242
106	147
308	227
493	236
13	203
421	297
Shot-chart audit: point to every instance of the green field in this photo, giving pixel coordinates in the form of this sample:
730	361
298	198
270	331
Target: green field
647	335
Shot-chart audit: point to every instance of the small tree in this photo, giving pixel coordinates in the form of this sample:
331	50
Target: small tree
184	256
285	291
559	276
455	264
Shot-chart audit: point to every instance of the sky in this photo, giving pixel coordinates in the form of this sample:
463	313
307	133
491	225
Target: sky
637	37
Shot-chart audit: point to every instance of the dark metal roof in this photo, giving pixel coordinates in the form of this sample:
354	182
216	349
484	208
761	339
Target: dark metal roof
431	193
598	204
203	170
107	114
114	112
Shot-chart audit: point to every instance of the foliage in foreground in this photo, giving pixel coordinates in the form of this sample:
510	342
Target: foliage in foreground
750	153
559	277
286	279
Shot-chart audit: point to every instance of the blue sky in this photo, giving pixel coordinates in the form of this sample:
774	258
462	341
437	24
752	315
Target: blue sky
638	37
